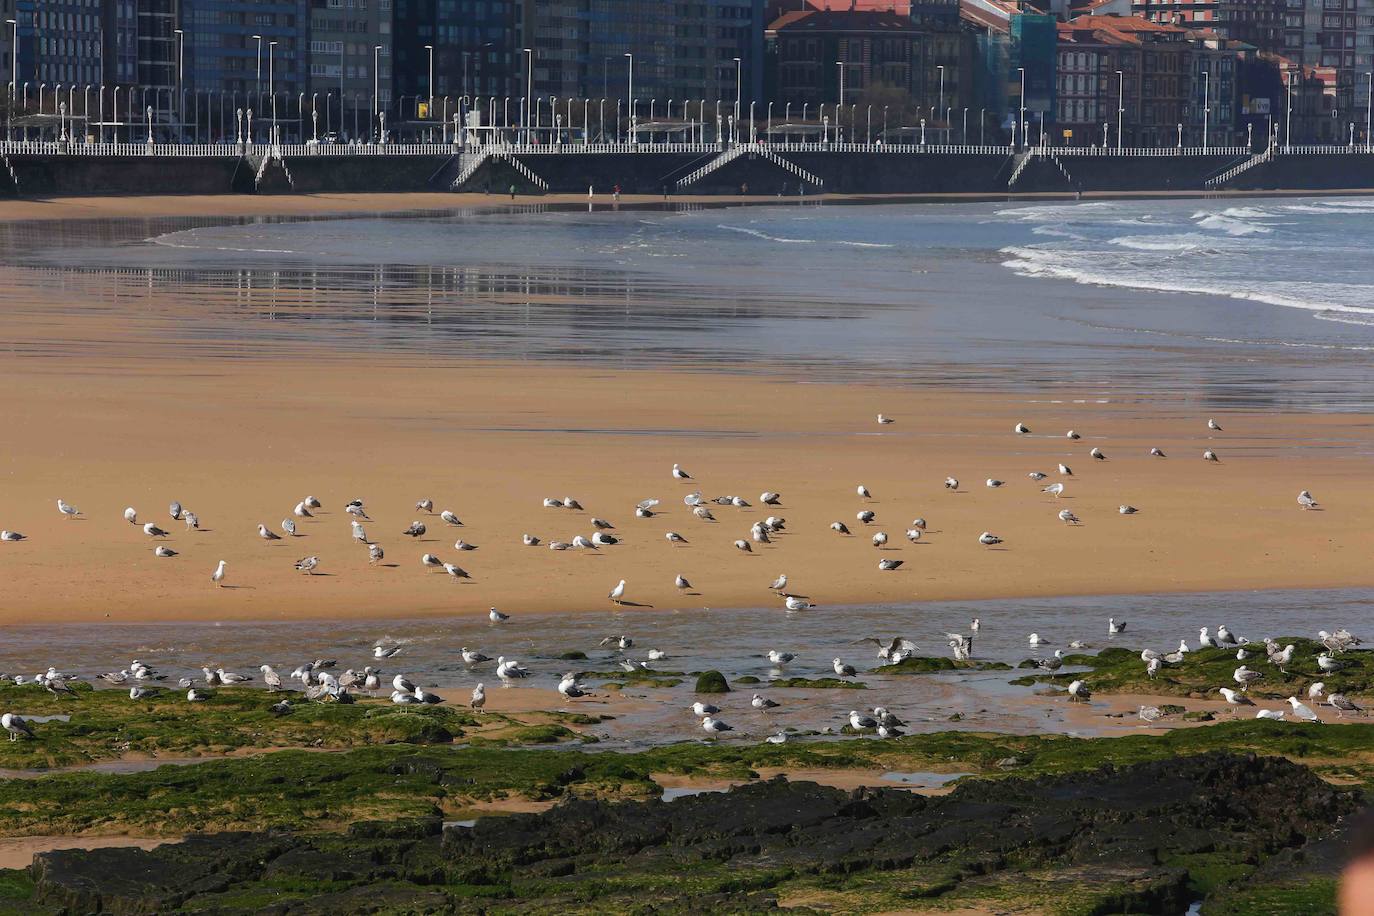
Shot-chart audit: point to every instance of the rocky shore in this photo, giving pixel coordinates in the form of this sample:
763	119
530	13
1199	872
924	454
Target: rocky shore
1151	837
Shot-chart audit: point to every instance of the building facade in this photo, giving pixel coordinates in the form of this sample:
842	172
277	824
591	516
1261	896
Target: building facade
351	53
1255	22
708	49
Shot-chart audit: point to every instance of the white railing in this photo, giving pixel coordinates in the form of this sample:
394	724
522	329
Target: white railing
471	163
1311	150
1022	161
722	160
1150	151
1263	156
56	148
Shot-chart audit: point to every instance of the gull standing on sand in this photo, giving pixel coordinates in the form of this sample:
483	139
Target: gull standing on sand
67	510
1211	456
8	535
880	539
1245	677
863	492
993	483
842	669
988	539
267	534
153	531
479	698
883	421
618	592
743	545
1065	470
780	583
1213	425
218	576
951	483
1303	711
308	565
681	583
839	527
1072	434
866	516
1037	476
1343	705
450	519
1234	698
456	572
1056	488
1068	518
675	538
680	474
1079	691
287	525
1127	510
1021	429
301	510
163	552
416	530
430	561
131	516
769	498
174	510
1306	501
889	565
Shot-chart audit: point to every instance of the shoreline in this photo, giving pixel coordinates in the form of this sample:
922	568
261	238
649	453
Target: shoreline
229	206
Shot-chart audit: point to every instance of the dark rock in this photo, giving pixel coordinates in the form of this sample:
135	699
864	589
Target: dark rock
712	682
1103	834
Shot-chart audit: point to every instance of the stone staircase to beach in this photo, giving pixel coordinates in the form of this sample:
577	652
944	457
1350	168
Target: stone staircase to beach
750	149
1221	179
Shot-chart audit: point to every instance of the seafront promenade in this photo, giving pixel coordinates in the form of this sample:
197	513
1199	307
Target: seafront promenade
56	168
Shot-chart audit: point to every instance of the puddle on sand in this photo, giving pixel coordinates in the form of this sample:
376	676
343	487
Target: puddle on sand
924	780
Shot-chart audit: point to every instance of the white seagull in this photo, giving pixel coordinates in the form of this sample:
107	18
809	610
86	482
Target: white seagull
218	576
67	510
618	592
131	516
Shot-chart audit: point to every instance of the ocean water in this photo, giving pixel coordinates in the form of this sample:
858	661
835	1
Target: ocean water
1251	303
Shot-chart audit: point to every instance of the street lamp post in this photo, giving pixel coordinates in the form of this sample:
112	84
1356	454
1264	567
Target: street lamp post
941	68
1206	104
739	85
529	91
1120	104
634	133
1288	115
1022	122
430	49
272	89
1368	109
839	65
181	72
257	78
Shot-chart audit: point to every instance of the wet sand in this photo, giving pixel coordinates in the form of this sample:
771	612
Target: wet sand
241	441
244	205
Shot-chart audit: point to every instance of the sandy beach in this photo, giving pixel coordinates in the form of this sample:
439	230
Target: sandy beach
240	442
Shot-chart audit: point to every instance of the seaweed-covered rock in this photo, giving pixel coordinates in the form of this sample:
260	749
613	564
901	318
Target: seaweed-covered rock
1150	837
712	682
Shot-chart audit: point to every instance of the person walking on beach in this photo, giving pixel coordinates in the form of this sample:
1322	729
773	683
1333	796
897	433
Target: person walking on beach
616	192
512	192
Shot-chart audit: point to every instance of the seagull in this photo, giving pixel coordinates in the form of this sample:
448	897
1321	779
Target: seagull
229	677
311	502
356	510
1022	429
715	725
1315	691
1213	425
218	576
153	531
1056	488
895	649
839	527
8	535
302	511
580	542
1210	455
1034	639
1068	517
1269	714
675	538
888	565
1097	454
913	534
496	616
450	519
1225	637
570	503
461	544
308	565
569	687
380	651
780	658
1328	664
780	737
529	540
1079	691
416	529
866	516
993	483
779	583
359	534
619	591
163	552
69	511
1127	510
551	503
174	510
1245	677
743	545
681	583
425	505
1072	434
769	498
430	561
1157	453
197	695
951	483
1065	470
987	539
1053	663
704	709
456	572
883	421
1037	476
16	726
131	516
138	692
1113	626
762	702
1343	704
1234	698
793	603
680	474
880	539
843	670
863	492
270	677
702	512
975	624
1151	713
1306	501
287	525
621	642
859	722
1205	640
